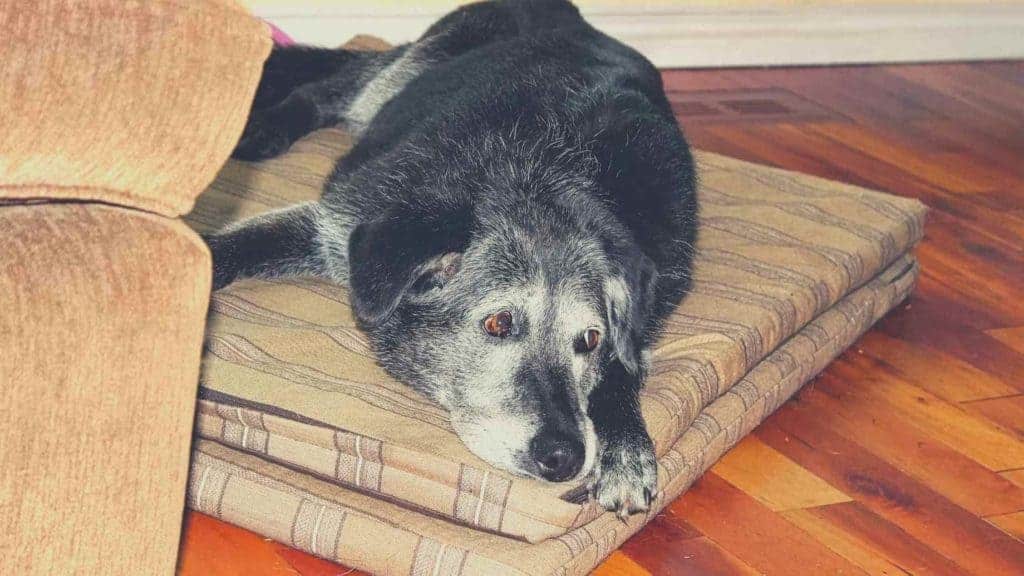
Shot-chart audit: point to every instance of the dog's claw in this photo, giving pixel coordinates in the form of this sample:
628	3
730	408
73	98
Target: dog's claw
622	514
627	478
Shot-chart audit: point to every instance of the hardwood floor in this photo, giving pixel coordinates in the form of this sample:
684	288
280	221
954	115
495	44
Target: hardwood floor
906	456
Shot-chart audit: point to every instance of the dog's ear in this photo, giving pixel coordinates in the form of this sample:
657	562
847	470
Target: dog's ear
629	300
406	250
628	137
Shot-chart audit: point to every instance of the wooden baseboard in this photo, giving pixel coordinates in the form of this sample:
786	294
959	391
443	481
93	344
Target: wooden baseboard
710	36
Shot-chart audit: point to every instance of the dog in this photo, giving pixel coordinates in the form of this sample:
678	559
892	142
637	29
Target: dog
514	222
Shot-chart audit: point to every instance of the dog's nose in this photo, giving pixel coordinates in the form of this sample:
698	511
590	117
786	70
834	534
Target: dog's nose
558	457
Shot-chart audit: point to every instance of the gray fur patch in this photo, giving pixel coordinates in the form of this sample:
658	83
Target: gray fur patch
383	87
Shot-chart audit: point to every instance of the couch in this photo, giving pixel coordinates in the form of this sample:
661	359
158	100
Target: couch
114	116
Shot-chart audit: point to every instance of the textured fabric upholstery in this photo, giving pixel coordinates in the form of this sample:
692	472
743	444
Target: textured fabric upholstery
131	103
114	116
102	325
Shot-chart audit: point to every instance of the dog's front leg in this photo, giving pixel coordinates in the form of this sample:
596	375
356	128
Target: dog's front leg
626	478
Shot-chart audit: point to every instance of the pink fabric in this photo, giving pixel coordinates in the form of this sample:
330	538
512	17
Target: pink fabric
278	35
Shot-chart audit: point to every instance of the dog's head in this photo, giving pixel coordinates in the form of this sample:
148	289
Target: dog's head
506	315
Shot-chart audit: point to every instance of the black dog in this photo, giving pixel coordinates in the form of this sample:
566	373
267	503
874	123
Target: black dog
516	219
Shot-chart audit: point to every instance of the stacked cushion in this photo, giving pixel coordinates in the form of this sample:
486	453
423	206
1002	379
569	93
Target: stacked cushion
307	440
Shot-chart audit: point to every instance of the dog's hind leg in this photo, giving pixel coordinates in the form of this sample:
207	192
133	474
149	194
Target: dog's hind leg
305	88
281	243
271	131
310	88
289	67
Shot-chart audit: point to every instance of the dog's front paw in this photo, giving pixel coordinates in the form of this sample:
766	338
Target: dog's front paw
627	479
260	140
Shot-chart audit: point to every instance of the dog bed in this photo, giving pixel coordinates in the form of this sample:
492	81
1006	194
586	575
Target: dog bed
304	439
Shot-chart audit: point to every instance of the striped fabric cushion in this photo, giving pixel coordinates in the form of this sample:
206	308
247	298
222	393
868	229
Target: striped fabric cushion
289	379
363	530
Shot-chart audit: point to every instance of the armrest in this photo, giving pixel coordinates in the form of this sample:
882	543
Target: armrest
101	332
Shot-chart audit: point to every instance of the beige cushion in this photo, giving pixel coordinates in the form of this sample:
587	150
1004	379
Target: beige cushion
370	533
288	377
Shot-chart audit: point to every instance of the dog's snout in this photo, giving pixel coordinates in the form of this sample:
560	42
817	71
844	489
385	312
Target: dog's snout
558	457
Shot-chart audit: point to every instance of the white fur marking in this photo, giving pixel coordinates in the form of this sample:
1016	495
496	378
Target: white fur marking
383	87
616	290
589	447
497	439
333	231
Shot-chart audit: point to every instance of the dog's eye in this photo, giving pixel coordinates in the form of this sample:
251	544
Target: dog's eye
590	339
499	325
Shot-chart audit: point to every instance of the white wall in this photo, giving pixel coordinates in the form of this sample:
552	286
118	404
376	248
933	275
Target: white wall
706	33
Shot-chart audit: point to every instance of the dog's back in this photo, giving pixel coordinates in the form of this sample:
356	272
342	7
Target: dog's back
500	85
496	62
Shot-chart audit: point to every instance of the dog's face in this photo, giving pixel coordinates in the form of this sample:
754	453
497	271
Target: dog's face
510	334
517	366
508	337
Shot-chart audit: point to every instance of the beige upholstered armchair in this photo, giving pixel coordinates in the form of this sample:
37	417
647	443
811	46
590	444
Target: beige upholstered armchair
114	116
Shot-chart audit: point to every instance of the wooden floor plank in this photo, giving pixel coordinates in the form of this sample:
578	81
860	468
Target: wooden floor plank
774	480
842	543
938	321
698	557
669	545
1015	476
909	448
884	150
1012	337
957	267
873	388
619	564
867	540
983	92
938	372
308	565
797	431
211	547
953	285
757	536
1007	412
668	532
1012	524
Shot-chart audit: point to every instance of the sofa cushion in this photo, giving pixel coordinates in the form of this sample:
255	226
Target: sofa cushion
129	103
